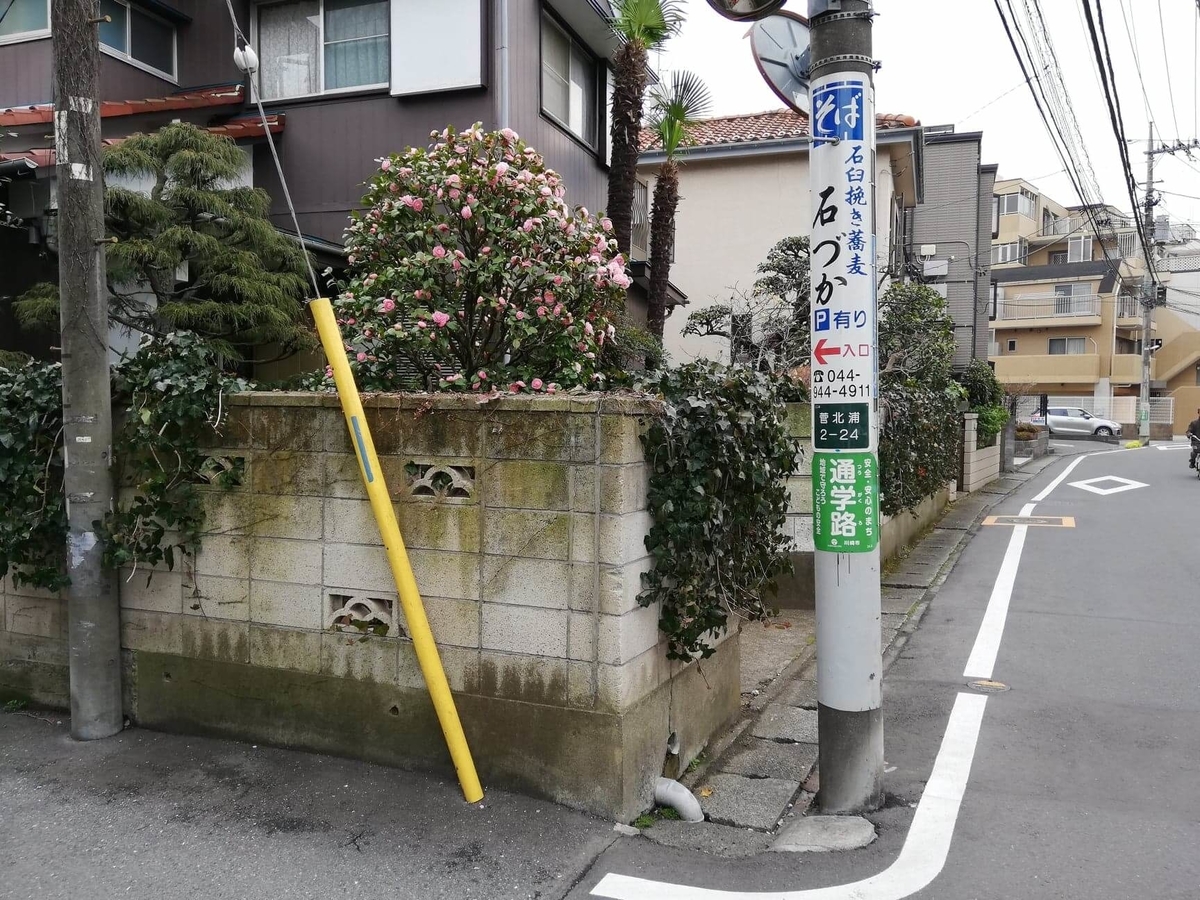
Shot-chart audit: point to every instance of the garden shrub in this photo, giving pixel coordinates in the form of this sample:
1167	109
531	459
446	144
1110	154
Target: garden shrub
469	271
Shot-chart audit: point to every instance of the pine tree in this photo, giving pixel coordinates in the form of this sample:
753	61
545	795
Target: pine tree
195	253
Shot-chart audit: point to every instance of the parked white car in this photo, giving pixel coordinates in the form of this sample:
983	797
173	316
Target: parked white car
1067	420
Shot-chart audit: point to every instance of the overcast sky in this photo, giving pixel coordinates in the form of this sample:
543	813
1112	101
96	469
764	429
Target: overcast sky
930	71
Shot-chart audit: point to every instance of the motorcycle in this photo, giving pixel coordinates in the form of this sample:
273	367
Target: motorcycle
1195	451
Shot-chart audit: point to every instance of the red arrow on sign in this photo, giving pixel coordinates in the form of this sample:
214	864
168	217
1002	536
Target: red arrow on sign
821	352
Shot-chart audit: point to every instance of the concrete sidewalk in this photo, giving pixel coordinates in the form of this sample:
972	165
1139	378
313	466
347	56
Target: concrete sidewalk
159	816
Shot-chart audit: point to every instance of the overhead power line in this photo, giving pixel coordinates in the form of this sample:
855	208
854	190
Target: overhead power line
1162	30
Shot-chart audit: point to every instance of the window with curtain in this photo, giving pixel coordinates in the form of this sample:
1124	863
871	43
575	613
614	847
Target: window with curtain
138	37
26	18
308	47
1067	346
569	83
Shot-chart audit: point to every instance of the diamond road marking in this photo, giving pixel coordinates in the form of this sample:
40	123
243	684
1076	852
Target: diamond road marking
1122	484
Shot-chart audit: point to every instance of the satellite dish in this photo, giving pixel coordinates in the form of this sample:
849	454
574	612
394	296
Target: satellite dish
780	45
745	10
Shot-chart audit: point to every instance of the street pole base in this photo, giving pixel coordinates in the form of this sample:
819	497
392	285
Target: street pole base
851	760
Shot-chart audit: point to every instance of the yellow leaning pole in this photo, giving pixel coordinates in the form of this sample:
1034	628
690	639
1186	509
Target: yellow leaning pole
406	583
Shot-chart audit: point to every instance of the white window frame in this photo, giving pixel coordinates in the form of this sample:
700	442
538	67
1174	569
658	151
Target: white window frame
36	35
126	55
596	147
1082	342
1078	241
1028	209
384	85
1016	250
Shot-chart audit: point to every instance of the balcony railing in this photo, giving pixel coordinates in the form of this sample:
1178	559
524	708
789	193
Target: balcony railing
1128	308
1048	306
994	348
1073	223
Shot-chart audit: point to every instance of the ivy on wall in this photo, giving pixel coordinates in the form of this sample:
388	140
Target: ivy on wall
169	398
720	457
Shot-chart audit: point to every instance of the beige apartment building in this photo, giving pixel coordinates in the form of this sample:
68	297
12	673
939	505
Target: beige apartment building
1066	319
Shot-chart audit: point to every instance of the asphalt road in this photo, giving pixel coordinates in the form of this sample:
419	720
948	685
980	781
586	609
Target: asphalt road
1085	781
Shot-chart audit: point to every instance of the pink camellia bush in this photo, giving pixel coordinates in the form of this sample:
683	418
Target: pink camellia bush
469	268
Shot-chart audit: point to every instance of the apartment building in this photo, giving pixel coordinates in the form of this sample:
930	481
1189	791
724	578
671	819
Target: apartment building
1065	315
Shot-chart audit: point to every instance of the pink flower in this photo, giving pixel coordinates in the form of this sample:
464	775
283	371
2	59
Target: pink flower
443	227
501	168
520	315
527	226
453	180
606	224
362	357
466	212
508	134
551	388
558	310
421	323
549	295
440	319
516	387
456	265
385	165
394	188
542	311
482	375
484	250
558	279
418	204
454	193
587	328
536	384
439	252
389	305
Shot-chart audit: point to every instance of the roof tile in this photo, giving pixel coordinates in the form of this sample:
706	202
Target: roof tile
776	124
243	127
221	95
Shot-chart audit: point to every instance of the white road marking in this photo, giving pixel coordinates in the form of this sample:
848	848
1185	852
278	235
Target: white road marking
925	849
1123	484
1172	447
1062	476
921	858
987	642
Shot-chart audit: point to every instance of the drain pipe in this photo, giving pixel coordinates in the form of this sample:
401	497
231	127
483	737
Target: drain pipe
668	792
502	76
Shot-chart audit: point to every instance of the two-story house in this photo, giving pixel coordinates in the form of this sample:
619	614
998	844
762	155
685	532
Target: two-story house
744	186
343	82
1066	318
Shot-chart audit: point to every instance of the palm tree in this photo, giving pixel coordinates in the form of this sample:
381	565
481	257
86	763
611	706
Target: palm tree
642	26
677	107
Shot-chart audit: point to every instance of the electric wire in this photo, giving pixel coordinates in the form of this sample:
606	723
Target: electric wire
1162	30
1137	61
262	115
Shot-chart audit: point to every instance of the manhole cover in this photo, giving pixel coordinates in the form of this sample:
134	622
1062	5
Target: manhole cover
988	687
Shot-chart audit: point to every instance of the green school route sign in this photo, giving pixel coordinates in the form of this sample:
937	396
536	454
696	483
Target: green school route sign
845	502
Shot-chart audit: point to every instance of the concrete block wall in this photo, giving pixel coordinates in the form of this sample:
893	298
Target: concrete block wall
980	465
525	521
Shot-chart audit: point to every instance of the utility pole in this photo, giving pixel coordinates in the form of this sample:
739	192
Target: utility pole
845	471
1148	297
92	606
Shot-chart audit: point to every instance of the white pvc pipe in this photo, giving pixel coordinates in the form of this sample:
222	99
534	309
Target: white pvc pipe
668	792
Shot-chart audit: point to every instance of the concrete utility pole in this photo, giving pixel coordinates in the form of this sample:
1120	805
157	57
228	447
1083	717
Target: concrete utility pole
92	606
845	472
1148	297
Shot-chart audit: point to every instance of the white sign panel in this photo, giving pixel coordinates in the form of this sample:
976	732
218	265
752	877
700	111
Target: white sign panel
842	245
